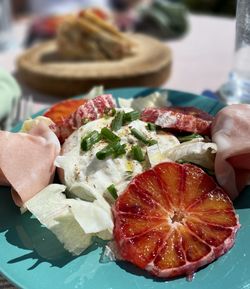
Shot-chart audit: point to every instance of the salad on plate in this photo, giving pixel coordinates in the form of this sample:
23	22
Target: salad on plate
155	181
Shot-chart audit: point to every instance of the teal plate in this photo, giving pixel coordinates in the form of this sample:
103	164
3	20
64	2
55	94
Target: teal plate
31	257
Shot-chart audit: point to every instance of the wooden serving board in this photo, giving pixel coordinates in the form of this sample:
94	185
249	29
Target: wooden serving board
42	69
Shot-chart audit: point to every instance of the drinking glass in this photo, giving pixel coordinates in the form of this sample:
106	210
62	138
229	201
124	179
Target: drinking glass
237	89
5	23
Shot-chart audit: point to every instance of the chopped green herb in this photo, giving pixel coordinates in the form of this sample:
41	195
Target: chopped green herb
131	116
188	137
151	126
119	150
137	153
110	112
152	142
113	191
108	135
105	152
116	123
113	149
89	140
140	136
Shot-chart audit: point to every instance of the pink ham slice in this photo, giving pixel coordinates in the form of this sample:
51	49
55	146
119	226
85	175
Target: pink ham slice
27	161
91	110
230	131
186	119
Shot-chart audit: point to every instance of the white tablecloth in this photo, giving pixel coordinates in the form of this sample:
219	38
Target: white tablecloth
201	60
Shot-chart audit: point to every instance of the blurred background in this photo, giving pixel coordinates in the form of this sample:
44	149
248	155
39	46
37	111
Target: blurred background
219	7
199	33
161	18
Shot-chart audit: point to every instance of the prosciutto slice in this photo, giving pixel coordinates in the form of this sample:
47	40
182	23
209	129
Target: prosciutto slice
231	131
27	161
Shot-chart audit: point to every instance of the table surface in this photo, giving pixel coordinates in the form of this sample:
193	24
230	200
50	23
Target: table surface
201	60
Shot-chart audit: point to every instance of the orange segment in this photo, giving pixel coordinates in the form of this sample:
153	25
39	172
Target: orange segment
173	219
149	183
134	225
171	255
145	246
215	200
173	179
197	184
211	234
138	203
194	248
63	109
220	218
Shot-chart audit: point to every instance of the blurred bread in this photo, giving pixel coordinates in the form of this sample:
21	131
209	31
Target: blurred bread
89	37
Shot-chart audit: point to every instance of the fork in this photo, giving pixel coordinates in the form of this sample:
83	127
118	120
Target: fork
22	109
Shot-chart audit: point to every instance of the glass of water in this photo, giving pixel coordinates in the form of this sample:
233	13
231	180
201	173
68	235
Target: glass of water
5	23
237	89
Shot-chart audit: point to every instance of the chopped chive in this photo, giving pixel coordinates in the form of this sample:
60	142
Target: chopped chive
131	116
140	136
119	150
113	149
137	153
188	137
152	142
109	112
108	135
151	126
113	191
89	140
105	152
116	123
112	112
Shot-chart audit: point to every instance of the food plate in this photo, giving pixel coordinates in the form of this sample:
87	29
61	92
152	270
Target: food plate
31	257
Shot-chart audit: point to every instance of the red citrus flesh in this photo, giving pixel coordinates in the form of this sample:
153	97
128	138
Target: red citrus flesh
62	110
173	219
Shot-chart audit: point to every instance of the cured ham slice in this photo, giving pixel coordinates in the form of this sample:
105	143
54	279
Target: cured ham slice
230	131
91	110
27	161
187	119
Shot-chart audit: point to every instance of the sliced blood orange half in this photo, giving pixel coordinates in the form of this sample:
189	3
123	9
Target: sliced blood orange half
173	219
63	109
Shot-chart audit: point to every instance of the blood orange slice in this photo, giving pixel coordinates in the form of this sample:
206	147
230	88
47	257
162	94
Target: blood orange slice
63	109
187	119
78	114
173	219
